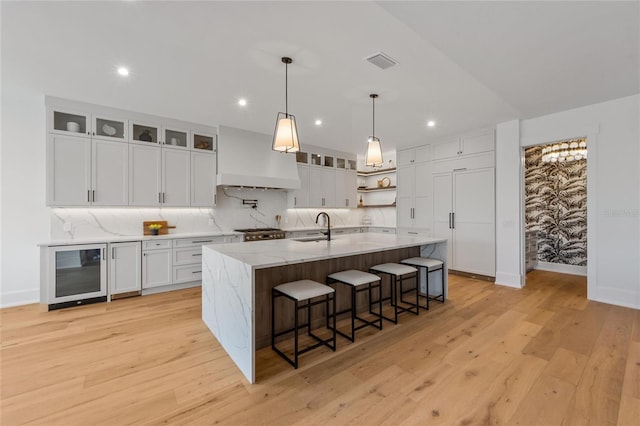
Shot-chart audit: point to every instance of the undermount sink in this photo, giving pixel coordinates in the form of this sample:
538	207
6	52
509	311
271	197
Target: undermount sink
310	239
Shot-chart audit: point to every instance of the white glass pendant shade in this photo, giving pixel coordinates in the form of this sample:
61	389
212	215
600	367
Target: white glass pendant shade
285	137
373	157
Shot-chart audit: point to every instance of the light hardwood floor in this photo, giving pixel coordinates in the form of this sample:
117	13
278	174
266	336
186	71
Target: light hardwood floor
543	355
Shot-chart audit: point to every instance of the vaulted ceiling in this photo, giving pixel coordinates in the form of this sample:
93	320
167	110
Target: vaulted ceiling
465	65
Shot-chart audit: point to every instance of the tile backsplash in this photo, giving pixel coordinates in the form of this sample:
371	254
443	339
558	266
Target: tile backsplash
228	214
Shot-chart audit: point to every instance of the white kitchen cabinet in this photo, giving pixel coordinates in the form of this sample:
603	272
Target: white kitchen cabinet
420	154
464	213
465	145
204	141
110	128
125	268
68	170
69	121
145	133
175	137
157	268
84	172
322	187
345	189
145	169
203	179
176	177
414	192
109	173
298	198
159	176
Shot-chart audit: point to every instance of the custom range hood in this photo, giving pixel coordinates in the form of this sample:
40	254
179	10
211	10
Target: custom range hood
246	159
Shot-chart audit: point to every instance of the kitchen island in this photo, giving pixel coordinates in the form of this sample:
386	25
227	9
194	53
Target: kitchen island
237	280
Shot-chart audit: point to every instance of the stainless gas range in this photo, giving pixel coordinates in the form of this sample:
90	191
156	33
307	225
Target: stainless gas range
261	234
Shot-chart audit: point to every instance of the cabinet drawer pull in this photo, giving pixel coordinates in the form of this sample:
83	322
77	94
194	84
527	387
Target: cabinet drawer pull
461	169
201	241
196	272
196	254
412	233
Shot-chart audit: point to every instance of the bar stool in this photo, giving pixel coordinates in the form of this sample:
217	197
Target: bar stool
303	291
358	281
430	265
397	273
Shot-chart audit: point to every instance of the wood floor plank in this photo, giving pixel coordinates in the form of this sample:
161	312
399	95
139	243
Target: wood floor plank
489	355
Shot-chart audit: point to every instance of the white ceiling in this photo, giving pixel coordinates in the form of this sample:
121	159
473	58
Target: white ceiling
465	65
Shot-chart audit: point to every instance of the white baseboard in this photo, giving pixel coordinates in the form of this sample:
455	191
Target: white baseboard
616	296
562	268
19	298
508	280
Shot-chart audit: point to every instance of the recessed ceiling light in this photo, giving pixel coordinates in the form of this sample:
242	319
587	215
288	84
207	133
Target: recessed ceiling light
431	123
242	102
318	122
123	71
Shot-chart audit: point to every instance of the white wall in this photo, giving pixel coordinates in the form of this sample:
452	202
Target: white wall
613	195
508	207
25	219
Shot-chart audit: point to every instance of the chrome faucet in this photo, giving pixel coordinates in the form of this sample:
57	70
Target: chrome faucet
328	233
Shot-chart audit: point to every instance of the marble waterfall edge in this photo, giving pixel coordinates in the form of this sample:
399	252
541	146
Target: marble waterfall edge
227	307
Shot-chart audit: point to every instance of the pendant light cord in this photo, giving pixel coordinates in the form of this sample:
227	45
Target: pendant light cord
373	100
286	89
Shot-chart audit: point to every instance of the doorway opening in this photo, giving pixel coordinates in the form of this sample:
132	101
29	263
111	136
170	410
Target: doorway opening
555	208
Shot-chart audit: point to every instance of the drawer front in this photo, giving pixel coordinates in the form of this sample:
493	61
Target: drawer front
187	256
197	242
184	274
156	244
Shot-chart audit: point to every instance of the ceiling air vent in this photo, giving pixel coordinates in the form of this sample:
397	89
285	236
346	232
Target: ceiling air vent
381	60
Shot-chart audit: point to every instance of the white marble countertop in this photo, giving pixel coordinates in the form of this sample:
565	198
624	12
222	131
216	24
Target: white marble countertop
266	254
124	238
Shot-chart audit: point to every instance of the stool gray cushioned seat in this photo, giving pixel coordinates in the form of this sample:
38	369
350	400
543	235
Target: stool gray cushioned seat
423	261
304	289
394	268
354	277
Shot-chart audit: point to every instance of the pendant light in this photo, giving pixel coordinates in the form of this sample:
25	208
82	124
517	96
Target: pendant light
373	157
285	137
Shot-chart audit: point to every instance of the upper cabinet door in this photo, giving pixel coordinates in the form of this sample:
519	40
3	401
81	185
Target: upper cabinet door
68	171
110	128
145	168
144	133
405	157
110	173
203	179
446	150
69	122
201	141
174	137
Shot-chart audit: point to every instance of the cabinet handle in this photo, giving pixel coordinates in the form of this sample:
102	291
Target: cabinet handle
163	201
346	202
449	220
93	195
460	169
196	272
215	198
103	256
295	201
113	252
88	195
453	221
412	233
197	254
159	197
201	241
94	133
